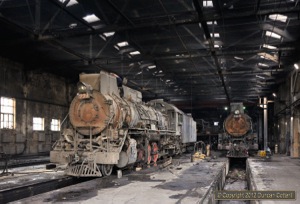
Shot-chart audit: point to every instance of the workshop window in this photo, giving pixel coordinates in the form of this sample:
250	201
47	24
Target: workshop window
8	107
55	125
38	124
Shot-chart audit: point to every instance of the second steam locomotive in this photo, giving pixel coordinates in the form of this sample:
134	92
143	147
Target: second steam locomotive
111	126
238	137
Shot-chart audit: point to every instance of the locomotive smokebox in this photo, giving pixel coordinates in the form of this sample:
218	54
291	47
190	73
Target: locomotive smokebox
91	111
237	124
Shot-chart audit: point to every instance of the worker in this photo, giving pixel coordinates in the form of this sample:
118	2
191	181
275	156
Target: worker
207	150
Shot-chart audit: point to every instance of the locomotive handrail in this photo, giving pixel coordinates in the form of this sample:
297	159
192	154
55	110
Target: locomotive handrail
64	120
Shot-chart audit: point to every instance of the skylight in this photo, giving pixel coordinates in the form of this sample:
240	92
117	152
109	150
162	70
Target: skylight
273	35
269	47
151	67
91	18
238	58
134	53
260	77
122	44
72	25
104	36
71	2
212	23
216	35
108	34
262	65
208	3
278	17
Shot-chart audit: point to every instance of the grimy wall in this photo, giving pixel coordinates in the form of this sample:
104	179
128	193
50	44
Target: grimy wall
37	94
287	116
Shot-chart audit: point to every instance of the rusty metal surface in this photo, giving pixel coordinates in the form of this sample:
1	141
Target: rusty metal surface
237	126
93	112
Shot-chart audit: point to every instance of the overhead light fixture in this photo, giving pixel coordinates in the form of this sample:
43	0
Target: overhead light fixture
134	53
274	94
278	17
71	2
269	47
91	18
226	108
296	66
272	34
207	3
217	46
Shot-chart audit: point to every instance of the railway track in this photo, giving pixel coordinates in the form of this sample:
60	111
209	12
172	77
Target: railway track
236	180
37	185
20	192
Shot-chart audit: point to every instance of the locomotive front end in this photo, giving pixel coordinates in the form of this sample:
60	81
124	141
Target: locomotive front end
238	137
92	146
109	125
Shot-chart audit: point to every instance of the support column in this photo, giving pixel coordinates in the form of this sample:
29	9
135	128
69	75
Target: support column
296	135
265	123
260	129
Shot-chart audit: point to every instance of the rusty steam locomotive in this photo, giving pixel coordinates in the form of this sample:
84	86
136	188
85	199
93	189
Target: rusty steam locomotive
111	126
238	137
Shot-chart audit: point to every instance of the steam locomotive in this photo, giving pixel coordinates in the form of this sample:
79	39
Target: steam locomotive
238	137
111	126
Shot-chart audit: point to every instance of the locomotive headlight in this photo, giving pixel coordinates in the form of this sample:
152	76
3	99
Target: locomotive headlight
81	87
84	90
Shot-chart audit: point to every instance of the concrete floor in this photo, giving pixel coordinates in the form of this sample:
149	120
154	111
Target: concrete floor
280	173
181	182
21	176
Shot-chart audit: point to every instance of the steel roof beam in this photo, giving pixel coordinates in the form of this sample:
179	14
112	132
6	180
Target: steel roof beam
211	45
194	20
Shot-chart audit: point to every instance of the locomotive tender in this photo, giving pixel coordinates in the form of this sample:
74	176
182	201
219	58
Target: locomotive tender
111	126
238	137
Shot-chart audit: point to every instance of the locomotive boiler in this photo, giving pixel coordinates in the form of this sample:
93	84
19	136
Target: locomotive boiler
238	137
111	126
